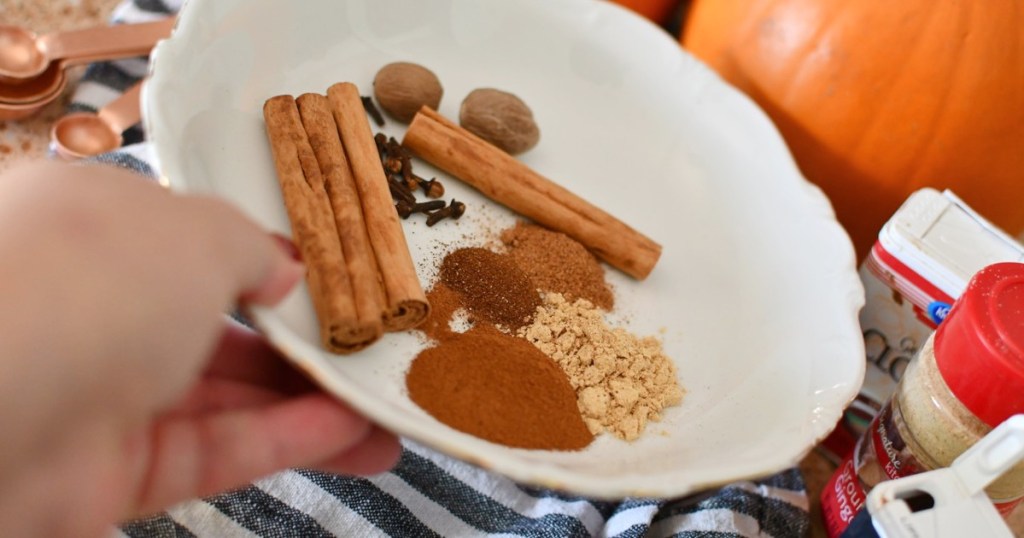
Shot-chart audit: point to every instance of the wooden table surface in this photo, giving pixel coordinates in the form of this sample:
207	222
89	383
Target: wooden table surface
29	139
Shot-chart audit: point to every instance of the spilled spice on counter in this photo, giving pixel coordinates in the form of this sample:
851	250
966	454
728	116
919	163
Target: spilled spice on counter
499	388
557	263
622	381
493	287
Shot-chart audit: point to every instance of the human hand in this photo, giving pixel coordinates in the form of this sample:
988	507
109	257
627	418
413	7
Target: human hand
122	387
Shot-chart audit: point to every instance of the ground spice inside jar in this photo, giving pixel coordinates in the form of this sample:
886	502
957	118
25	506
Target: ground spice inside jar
939	427
492	286
499	388
557	263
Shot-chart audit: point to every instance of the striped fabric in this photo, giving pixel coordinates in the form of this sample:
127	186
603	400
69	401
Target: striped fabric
429	494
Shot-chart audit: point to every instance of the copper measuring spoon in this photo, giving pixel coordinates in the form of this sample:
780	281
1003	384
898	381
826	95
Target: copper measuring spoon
24	100
27	97
24	56
80	135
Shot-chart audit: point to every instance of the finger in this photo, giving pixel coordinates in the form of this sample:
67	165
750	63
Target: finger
283	276
221	395
244	355
287	245
378	453
196	457
258	269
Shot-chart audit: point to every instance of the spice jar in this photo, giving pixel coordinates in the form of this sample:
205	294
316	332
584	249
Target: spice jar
967	378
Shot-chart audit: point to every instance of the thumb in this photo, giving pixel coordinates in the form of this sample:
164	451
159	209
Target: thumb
283	274
260	268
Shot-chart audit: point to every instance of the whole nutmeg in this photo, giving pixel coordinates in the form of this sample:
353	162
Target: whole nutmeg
402	88
499	118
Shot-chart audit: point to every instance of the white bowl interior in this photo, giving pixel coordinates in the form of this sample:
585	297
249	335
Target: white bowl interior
755	297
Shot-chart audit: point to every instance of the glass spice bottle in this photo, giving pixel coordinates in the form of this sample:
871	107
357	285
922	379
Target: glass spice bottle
967	378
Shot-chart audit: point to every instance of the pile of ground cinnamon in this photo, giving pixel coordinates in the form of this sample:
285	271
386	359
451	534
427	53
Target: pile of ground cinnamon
557	263
486	382
622	381
499	388
444	303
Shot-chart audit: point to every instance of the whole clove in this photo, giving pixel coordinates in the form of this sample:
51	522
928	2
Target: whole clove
406	209
381	142
399	191
455	210
393	147
372	110
392	165
392	155
433	188
411	183
406	163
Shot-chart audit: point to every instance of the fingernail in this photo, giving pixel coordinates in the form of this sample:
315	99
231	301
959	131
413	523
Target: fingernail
284	276
287	246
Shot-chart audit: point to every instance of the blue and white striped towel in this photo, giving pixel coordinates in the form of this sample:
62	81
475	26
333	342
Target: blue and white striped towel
430	494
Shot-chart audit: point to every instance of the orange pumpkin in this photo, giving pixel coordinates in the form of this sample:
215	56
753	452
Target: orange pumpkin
655	10
878	98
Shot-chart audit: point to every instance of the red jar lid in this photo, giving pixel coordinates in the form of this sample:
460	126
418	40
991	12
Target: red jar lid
979	348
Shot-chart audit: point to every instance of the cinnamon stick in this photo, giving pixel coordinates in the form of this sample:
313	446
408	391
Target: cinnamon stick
506	180
313	230
406	305
360	263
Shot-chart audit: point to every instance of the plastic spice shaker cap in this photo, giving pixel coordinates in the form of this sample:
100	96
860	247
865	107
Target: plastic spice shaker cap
979	348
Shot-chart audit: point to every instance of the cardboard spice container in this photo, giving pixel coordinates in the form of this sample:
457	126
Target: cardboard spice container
923	259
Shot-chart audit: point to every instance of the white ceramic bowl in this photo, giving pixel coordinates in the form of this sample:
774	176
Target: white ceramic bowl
756	295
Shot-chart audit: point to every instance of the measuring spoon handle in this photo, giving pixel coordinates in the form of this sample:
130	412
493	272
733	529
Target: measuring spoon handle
123	112
78	47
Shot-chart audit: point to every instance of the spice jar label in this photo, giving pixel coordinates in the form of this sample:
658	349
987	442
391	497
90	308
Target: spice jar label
842	498
890	450
883	457
920	265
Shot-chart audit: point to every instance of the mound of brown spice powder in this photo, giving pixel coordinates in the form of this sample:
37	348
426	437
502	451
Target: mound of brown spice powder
622	381
492	286
556	262
444	302
499	388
